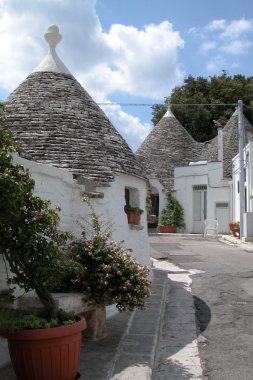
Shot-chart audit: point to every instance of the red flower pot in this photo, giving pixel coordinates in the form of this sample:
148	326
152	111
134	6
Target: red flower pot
47	354
167	229
235	231
133	218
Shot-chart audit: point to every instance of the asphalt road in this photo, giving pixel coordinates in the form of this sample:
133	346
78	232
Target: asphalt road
223	298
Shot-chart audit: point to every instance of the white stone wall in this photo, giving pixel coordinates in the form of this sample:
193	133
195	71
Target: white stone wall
248	164
63	191
111	208
209	174
185	178
156	184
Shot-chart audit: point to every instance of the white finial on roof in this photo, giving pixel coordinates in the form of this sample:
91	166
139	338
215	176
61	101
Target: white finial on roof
53	37
52	62
169	112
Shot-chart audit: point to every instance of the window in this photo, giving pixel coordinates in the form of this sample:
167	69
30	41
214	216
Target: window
132	197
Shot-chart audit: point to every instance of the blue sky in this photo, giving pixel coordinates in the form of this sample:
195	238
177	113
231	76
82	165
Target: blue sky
128	51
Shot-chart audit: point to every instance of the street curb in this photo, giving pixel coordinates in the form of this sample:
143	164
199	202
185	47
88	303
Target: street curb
135	356
246	246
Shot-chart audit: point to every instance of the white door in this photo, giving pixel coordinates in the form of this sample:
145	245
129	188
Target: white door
199	208
222	215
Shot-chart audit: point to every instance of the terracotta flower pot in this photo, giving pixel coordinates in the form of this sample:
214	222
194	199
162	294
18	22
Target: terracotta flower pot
47	354
133	218
167	229
235	231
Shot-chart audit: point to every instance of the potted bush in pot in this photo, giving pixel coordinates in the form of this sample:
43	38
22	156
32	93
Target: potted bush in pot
31	247
109	274
133	214
172	216
235	228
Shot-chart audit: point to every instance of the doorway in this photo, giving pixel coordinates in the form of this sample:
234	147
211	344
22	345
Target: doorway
199	208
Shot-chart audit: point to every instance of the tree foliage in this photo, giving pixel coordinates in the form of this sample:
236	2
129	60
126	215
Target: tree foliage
223	89
173	213
30	241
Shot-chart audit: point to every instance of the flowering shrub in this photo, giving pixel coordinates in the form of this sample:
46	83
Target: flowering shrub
108	272
234	224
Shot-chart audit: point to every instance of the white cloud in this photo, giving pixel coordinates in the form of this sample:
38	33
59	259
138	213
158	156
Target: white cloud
216	63
236	28
236	47
230	37
208	45
221	40
129	126
141	62
217	25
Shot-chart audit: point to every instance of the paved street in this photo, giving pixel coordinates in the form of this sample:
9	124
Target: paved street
194	277
223	291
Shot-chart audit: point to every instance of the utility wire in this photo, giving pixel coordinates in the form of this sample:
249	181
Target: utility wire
174	105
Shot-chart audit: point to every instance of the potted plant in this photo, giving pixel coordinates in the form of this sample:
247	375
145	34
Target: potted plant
172	216
39	343
235	228
133	214
109	274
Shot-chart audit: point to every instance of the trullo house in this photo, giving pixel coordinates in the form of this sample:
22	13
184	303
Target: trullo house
72	150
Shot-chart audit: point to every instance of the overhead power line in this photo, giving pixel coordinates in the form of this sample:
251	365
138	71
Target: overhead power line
174	105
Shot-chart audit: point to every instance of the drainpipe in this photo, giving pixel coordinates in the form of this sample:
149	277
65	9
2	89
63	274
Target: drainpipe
220	144
241	165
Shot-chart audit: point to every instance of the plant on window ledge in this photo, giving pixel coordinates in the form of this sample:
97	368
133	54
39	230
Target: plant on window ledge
133	214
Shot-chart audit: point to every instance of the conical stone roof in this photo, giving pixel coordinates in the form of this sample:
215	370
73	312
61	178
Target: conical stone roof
168	145
58	123
230	143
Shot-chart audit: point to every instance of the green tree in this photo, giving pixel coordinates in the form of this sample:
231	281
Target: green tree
223	89
173	213
29	239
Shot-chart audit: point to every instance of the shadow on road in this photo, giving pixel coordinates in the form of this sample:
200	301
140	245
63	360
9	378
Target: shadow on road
202	314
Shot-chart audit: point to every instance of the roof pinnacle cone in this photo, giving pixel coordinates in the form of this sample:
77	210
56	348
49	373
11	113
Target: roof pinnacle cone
51	62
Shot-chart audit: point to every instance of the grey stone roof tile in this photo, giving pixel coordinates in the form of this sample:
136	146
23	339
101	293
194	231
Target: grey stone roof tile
230	143
168	145
58	123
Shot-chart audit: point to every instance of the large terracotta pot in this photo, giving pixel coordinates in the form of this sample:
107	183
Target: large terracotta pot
47	354
235	230
167	229
133	218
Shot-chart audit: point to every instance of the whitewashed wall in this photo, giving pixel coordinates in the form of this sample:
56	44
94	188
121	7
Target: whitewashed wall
63	191
185	178
111	208
209	174
156	184
248	164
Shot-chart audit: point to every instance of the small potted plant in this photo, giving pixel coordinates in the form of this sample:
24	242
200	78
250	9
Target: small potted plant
31	247
235	228
133	214
172	216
